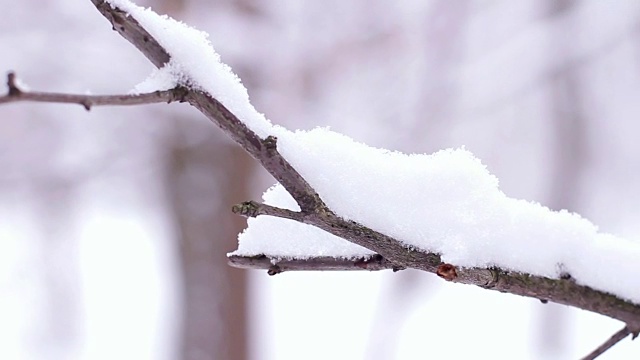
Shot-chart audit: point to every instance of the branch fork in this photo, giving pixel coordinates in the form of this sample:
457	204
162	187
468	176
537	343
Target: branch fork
255	209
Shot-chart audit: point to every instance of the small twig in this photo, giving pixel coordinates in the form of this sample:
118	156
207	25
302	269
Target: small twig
11	84
16	94
320	263
255	209
621	334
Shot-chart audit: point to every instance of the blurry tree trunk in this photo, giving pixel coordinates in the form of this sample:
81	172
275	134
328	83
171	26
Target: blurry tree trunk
439	38
59	328
568	142
205	177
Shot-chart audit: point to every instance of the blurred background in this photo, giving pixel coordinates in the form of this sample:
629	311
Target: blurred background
115	223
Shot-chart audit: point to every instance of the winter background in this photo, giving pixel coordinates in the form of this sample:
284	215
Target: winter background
114	223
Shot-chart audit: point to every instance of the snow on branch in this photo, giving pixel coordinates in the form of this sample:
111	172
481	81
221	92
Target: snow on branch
229	108
441	213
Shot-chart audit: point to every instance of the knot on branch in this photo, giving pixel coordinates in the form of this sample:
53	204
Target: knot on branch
274	270
271	145
447	272
14	90
247	209
86	104
495	275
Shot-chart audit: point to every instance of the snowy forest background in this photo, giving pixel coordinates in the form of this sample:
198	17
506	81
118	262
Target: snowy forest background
114	223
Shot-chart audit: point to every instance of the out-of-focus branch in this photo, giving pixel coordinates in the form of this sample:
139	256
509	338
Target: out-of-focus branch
15	94
616	338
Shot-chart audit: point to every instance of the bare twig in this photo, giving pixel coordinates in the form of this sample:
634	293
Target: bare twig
15	94
325	263
254	209
617	337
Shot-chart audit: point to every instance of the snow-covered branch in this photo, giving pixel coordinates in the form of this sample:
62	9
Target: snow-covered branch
474	206
16	93
316	213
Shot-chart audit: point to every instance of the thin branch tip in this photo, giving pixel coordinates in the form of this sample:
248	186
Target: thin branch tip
254	209
16	94
320	263
614	339
246	209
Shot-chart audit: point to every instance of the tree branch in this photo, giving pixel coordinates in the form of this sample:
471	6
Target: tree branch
316	213
15	94
392	253
617	337
254	209
324	263
263	150
129	28
562	291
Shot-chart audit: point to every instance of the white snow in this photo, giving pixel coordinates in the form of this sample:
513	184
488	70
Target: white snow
194	63
164	78
446	202
291	239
